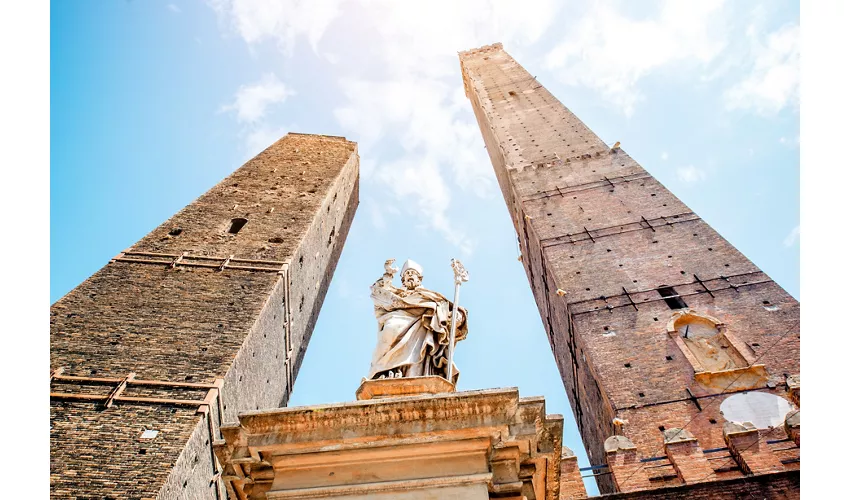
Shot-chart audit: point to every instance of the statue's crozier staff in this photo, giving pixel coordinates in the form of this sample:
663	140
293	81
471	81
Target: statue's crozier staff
461	276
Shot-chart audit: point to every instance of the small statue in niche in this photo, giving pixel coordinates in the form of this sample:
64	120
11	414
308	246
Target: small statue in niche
706	339
413	326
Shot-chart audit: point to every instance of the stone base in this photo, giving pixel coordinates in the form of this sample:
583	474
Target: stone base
399	387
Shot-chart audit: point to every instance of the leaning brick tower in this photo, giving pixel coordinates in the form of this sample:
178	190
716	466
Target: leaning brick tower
669	341
207	316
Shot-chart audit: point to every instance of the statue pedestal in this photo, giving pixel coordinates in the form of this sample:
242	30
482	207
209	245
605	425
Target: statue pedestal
473	445
398	387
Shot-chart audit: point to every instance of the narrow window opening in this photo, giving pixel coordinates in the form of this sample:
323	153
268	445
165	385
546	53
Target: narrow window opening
672	298
641	394
237	224
712	421
661	428
669	358
175	231
628	365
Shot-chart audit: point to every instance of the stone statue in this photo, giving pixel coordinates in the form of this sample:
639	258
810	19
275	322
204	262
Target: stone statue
413	326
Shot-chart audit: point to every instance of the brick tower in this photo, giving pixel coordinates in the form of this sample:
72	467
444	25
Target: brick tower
654	319
207	316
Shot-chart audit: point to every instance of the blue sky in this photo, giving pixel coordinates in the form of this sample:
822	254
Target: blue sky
153	102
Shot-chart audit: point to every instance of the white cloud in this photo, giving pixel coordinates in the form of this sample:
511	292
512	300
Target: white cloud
418	115
773	82
280	20
251	101
611	52
250	105
690	174
402	99
792	237
260	137
424	37
414	103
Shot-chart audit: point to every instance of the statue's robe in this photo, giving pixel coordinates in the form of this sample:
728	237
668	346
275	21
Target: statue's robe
413	334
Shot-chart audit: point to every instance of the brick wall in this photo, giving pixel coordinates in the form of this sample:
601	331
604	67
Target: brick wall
599	236
197	324
778	486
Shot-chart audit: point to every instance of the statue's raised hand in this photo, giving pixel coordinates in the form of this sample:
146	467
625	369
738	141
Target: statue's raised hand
389	270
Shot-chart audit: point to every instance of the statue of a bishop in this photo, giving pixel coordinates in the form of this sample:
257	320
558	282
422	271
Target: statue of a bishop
413	326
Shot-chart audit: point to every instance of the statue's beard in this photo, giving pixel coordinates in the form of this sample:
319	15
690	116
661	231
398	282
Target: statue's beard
410	283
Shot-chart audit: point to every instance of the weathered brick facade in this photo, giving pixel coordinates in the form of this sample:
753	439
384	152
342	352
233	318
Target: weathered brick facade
193	303
614	260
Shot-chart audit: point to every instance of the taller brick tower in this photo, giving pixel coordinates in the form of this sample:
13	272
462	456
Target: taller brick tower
654	319
207	316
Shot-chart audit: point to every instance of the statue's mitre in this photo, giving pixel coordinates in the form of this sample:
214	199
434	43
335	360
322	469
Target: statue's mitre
409	264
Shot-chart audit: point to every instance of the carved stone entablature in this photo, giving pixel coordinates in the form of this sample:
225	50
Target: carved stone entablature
721	362
472	445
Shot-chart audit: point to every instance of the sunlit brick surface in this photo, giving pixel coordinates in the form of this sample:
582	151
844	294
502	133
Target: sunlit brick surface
599	236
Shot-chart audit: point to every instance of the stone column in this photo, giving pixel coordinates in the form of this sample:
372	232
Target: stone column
752	453
572	485
626	468
685	453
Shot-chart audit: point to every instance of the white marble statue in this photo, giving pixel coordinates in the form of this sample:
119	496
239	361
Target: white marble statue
413	326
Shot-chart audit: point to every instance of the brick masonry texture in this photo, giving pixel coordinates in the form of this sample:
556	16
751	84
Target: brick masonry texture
190	324
597	234
777	486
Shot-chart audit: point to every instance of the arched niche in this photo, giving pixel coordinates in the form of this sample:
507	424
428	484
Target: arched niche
715	354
